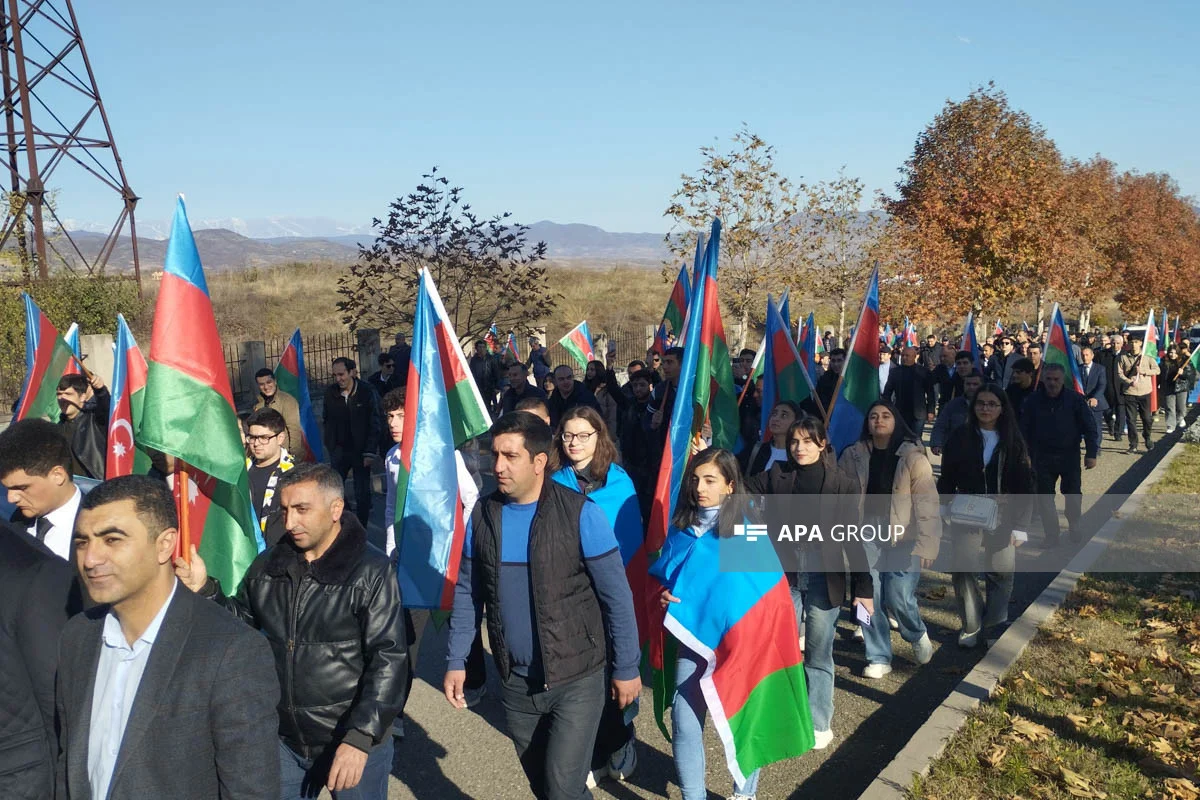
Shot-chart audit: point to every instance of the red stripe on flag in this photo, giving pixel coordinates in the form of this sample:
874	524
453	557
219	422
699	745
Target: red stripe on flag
135	364
580	341
711	318
187	340
456	548
756	646
47	336
289	361
452	370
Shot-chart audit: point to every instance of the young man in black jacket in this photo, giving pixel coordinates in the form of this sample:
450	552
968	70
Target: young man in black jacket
1053	421
353	430
328	603
911	388
84	403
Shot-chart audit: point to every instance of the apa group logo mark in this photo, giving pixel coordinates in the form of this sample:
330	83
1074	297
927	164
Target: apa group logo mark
751	532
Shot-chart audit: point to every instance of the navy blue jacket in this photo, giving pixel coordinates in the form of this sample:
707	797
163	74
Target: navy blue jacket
1095	384
1053	426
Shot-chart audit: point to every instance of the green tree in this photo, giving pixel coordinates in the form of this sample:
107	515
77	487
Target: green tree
757	207
485	270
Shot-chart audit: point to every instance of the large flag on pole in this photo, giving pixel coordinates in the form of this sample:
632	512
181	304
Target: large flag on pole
675	312
784	377
46	357
578	342
511	346
1150	350
910	335
785	310
714	385
291	378
443	409
188	413
858	386
1164	335
492	337
970	342
807	347
1058	351
128	398
71	337
1194	395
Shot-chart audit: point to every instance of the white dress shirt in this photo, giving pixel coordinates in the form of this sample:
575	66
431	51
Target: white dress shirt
468	492
62	526
118	675
885	369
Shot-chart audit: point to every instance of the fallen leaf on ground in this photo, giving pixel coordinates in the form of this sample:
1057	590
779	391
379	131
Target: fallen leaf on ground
1030	729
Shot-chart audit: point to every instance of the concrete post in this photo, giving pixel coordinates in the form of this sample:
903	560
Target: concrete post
253	356
97	351
368	348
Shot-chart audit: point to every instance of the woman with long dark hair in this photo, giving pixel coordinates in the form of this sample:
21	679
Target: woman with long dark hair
987	458
585	459
811	470
758	457
900	500
711	502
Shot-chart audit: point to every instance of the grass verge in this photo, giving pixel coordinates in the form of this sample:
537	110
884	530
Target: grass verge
1104	703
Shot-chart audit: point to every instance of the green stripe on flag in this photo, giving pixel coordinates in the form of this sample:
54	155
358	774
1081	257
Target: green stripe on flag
192	421
575	351
860	382
229	545
775	723
468	420
45	399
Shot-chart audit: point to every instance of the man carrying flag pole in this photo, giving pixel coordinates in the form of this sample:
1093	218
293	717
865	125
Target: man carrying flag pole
1136	373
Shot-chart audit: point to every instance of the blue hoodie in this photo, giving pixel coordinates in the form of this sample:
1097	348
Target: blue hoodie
619	502
678	547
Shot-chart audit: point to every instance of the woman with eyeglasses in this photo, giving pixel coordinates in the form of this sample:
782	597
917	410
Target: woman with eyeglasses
758	457
817	590
987	458
900	500
584	459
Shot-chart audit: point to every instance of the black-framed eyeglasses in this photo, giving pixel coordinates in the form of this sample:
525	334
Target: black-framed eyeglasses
582	438
261	439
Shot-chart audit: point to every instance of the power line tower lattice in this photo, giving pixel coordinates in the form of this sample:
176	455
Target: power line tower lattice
53	116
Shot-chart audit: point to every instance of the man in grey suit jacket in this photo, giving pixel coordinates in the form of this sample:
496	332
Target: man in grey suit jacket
160	693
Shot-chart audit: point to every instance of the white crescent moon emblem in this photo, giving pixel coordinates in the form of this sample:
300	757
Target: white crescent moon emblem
117	425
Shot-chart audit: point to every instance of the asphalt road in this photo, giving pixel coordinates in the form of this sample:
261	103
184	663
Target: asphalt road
449	753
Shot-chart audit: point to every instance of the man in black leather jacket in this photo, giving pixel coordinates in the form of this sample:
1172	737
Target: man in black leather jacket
84	403
329	604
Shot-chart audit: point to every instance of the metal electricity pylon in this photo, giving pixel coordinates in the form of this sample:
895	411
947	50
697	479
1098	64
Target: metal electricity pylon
53	116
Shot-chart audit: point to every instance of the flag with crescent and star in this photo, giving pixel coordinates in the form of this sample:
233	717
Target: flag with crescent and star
128	395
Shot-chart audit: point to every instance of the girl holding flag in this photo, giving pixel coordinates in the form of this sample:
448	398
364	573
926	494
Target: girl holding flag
585	459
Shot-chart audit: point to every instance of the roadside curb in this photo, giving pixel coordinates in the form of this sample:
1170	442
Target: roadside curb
931	738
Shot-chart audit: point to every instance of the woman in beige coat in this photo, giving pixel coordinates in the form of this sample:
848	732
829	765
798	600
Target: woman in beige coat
902	529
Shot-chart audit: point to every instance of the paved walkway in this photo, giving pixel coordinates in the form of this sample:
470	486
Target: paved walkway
451	753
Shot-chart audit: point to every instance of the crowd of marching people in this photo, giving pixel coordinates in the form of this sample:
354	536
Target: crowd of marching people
127	671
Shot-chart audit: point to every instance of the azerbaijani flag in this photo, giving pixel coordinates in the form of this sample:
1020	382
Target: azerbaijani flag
1150	350
714	385
784	377
677	306
442	411
578	342
858	386
1058	350
888	336
492	337
511	346
1194	395
910	335
969	340
1176	336
807	347
659	345
128	397
46	357
998	330
188	413
743	624
785	310
71	337
291	378
1164	335
756	369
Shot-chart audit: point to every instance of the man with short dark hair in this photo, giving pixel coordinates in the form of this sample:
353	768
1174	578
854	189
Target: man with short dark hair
930	354
38	593
401	353
35	468
83	403
485	369
269	396
827	383
535	406
743	367
1136	374
1053	422
1095	384
560	612
519	388
352	431
567	394
1035	355
1021	385
386	377
954	413
538	361
160	693
885	365
329	604
266	464
1004	361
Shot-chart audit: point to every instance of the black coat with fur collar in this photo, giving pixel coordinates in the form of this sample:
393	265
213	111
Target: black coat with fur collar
336	629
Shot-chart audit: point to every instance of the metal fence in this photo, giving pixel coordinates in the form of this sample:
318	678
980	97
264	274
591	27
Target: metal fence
320	349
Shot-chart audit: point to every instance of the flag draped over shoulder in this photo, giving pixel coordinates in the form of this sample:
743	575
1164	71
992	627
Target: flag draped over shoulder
858	386
578	342
128	399
443	409
291	378
188	413
46	357
743	624
784	377
1058	351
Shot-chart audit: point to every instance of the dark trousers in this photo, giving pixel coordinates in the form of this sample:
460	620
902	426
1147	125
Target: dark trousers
917	425
612	734
554	731
362	486
1138	405
1048	470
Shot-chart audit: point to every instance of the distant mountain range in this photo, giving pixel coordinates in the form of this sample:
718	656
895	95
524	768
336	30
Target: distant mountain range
231	244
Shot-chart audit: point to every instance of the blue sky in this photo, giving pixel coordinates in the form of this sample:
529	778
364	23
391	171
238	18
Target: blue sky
590	112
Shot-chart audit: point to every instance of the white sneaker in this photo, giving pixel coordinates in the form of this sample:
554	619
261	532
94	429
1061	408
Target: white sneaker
802	643
876	671
858	634
595	776
821	739
622	763
968	640
737	796
923	649
892	623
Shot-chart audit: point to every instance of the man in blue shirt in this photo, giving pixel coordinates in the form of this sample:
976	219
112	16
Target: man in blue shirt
556	593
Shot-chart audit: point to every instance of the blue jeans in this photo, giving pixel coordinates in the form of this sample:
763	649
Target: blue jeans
687	725
820	630
896	572
305	777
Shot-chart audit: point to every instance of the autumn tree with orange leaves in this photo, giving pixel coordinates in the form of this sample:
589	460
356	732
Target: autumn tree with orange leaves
1157	252
1086	229
977	204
